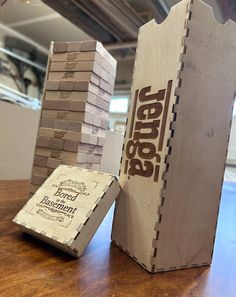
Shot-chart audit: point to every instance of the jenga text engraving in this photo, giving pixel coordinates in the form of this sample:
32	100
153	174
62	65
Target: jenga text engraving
146	132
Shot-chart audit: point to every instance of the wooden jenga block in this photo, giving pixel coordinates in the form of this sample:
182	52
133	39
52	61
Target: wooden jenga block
106	86
108	67
76	66
62	134
77	105
67	210
88	158
92	45
71	145
74	46
38	179
96	122
41	141
88	148
56	104
93	130
101	93
56	154
51	104
53	85
82	86
34	188
64	95
98	150
54	143
104	123
42	171
107	74
63	105
53	163
77	96
63	115
102	104
59	47
50	171
82	157
49	142
101	141
107	77
70	116
91	139
66	86
40	161
78	86
176	139
95	167
74	126
47	123
74	76
97	159
77	57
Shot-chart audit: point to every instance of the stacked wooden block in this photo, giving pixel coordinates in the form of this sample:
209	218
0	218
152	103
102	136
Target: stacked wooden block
78	87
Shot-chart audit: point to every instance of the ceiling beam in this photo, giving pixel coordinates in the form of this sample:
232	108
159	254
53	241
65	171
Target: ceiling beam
70	11
120	45
227	9
21	36
161	9
44	18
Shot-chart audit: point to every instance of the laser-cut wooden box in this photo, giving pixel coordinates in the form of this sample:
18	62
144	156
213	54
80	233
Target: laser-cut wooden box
176	139
69	207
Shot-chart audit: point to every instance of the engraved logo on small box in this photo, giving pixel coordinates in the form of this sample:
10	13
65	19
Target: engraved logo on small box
146	133
60	206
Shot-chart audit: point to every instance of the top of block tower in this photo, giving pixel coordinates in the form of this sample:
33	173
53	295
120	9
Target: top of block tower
84	46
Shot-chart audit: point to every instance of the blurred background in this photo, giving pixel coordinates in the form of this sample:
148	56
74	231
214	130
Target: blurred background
26	29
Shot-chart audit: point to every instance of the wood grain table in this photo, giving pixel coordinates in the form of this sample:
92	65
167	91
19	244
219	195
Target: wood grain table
29	267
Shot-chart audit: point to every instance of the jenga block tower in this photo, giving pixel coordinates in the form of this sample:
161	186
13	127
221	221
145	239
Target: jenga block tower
78	87
176	139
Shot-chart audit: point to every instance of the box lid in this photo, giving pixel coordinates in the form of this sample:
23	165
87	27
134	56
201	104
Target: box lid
65	202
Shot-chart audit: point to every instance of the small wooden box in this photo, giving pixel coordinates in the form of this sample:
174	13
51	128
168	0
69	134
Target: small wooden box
69	207
176	139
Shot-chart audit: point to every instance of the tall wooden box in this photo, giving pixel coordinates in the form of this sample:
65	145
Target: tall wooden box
176	139
69	207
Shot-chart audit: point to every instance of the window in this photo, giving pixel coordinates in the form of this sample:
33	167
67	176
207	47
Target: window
119	104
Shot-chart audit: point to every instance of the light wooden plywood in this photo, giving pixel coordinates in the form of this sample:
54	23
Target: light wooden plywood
69	207
136	209
200	142
172	169
75	97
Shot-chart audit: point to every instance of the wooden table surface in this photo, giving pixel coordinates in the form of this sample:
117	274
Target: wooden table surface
29	267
